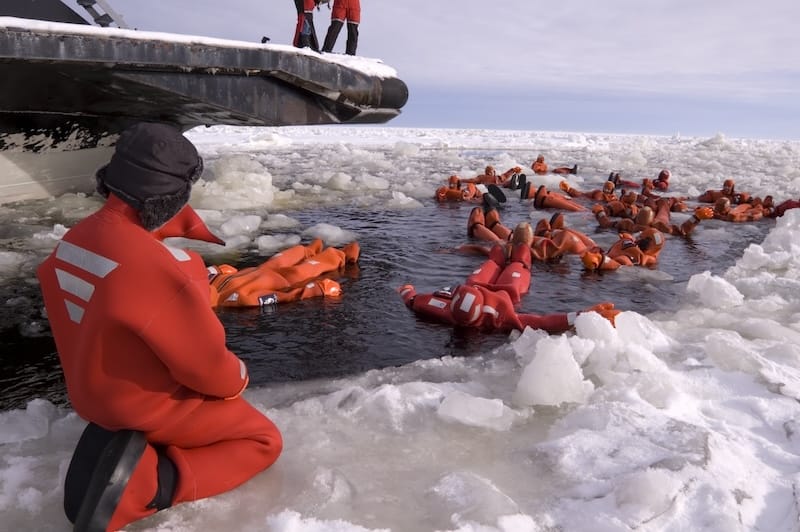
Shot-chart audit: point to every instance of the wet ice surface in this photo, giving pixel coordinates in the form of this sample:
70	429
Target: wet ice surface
683	417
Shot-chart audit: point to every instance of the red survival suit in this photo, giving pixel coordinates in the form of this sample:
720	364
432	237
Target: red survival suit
141	348
486	301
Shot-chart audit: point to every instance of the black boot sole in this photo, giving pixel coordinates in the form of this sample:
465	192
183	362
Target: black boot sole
114	468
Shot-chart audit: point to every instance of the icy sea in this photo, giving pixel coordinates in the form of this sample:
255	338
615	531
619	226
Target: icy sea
683	417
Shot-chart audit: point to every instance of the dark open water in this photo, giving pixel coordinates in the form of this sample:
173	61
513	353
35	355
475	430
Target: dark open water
369	327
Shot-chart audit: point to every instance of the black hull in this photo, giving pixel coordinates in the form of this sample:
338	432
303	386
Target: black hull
70	87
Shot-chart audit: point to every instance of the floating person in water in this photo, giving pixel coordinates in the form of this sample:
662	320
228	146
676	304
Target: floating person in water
539	167
143	353
627	251
291	275
486	299
508	179
661	182
605	195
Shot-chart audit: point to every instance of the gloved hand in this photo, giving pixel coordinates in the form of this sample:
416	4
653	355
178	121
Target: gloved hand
704	213
605	309
564	186
592	260
330	288
401	289
517	170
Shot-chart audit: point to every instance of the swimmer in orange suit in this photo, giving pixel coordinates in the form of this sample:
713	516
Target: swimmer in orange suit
741	213
289	275
539	167
728	190
458	189
661	182
282	278
627	251
605	195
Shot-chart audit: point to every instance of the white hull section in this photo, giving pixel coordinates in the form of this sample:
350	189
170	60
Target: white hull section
31	176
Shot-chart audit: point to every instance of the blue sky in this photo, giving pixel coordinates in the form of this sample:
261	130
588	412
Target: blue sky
624	66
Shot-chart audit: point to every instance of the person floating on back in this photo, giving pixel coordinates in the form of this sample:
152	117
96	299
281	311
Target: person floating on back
540	167
344	10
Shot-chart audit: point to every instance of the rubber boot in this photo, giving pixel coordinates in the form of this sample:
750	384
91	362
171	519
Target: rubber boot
115	478
352	38
525	191
489	202
557	221
332	35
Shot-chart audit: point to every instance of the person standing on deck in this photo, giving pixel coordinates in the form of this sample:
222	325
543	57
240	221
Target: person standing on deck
305	35
344	10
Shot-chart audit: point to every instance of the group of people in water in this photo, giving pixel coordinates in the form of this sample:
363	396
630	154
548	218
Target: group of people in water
640	213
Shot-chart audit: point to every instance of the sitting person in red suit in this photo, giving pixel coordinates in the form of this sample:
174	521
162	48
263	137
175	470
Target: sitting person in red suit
143	353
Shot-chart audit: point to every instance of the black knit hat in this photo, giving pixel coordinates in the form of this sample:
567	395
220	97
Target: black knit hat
151	160
152	170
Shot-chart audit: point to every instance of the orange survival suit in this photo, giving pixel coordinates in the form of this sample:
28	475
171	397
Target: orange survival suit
290	275
152	360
